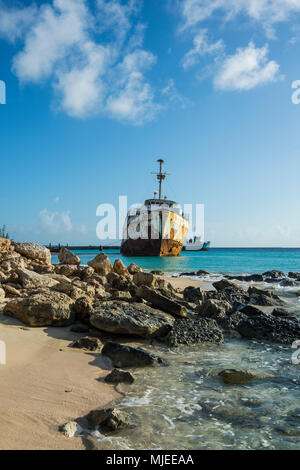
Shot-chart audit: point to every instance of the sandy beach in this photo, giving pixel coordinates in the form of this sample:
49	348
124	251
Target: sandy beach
45	384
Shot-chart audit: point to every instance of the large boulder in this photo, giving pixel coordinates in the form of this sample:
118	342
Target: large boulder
274	274
118	376
131	319
161	302
148	280
109	419
270	328
194	294
65	256
120	268
293	275
42	309
101	264
190	332
30	279
5	245
127	356
34	251
225	284
213	308
134	268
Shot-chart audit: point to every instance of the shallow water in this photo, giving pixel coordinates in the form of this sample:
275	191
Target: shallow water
229	260
186	405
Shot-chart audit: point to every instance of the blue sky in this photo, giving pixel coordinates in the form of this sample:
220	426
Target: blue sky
98	90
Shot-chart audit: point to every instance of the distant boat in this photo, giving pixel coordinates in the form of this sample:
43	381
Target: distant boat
159	228
196	244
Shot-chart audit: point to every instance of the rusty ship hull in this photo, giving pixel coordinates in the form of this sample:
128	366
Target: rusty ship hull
141	247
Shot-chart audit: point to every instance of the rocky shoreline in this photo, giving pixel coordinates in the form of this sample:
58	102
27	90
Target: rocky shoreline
102	302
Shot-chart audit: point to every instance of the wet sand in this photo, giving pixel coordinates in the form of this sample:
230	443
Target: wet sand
45	384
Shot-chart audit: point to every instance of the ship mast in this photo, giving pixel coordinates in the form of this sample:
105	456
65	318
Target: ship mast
160	176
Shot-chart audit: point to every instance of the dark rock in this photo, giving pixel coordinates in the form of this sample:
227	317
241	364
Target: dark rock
131	319
265	301
294	276
251	311
201	272
92	344
249	278
237	377
225	284
270	328
280	312
193	273
288	283
161	302
274	274
83	307
256	290
118	376
190	331
157	272
214	308
128	356
194	294
109	419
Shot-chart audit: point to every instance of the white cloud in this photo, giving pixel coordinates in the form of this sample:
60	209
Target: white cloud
202	46
171	92
55	222
246	69
94	58
266	12
15	21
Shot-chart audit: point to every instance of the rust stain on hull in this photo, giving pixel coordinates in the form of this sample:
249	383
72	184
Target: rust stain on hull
142	247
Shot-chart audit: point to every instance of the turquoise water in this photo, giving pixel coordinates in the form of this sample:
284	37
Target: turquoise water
226	260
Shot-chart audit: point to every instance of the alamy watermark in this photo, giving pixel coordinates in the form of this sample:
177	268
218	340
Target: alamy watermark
150	221
296	354
2	353
2	92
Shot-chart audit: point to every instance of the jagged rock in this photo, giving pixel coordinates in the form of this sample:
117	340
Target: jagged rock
33	251
120	268
65	256
270	328
193	273
11	291
225	284
294	276
83	307
30	279
201	272
118	376
274	274
288	283
148	280
2	293
247	278
237	377
190	331
69	429
86	273
42	268
66	269
5	245
134	268
119	295
256	290
265	301
157	272
109	419
89	343
194	294
214	308
101	264
42	309
280	312
251	311
131	319
161	302
122	283
127	356
11	262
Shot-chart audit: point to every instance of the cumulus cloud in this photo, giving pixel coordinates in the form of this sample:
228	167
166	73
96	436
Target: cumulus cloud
15	20
55	222
266	12
246	69
94	58
201	47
